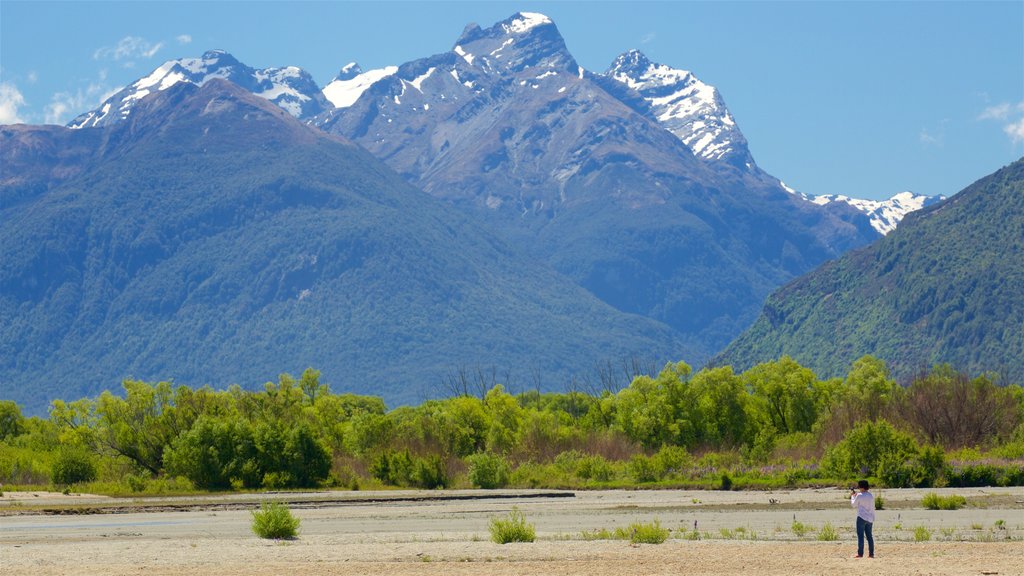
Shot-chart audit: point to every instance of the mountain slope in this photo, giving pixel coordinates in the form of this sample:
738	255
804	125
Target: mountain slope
212	238
945	286
510	128
291	88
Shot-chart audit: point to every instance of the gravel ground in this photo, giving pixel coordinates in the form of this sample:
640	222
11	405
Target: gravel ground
423	533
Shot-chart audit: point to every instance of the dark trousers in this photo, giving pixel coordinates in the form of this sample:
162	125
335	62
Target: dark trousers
864	531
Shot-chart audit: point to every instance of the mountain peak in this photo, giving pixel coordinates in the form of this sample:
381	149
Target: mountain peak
349	71
523	22
632	60
523	40
690	109
291	88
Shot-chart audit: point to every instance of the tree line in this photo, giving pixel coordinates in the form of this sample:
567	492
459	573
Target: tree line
775	424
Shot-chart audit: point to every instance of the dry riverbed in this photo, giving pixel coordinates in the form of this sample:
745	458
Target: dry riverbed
409	532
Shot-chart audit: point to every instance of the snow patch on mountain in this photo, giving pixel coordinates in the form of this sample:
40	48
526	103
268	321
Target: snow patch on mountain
290	87
884	215
690	109
526	21
344	93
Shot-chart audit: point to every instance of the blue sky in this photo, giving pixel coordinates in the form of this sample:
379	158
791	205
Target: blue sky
859	98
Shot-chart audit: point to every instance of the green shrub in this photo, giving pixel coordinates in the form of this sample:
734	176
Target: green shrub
642	469
933	501
638	533
985	474
868	448
879	502
488	471
828	533
277	480
135	482
430	473
595	468
513	528
922	534
274	520
671	461
726	483
73	465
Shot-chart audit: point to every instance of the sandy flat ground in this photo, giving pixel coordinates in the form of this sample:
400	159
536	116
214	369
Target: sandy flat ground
364	533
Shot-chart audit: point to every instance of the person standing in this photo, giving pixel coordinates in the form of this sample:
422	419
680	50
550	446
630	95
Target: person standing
864	502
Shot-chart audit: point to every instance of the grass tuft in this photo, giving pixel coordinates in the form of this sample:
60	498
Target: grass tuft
800	529
922	534
828	533
933	501
637	533
514	528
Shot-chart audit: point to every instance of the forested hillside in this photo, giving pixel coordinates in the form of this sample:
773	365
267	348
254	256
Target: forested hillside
946	286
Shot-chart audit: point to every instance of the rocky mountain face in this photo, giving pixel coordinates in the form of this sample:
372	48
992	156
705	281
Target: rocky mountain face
578	168
944	286
211	238
291	88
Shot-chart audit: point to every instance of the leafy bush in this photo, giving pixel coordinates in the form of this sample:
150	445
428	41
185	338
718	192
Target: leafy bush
135	482
430	473
828	533
879	502
274	520
638	533
642	469
513	528
73	465
595	468
933	501
869	449
671	461
488	471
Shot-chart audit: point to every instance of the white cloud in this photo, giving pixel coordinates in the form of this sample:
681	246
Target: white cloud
648	38
926	137
128	49
1010	115
66	105
1015	130
10	100
32	77
998	112
184	39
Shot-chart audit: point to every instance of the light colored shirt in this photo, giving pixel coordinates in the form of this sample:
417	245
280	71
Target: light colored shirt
864	502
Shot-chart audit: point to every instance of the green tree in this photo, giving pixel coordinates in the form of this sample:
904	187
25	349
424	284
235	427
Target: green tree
12	423
787	394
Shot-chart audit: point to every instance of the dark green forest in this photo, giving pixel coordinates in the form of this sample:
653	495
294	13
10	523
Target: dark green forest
774	425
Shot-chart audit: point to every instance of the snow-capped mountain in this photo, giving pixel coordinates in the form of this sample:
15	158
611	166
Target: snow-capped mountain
574	167
291	88
884	214
351	82
692	110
